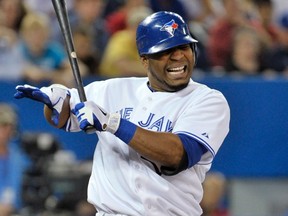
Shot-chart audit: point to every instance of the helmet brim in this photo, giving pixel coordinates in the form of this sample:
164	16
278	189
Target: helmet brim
168	44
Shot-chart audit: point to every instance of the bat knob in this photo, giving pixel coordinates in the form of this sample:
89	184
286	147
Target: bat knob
90	130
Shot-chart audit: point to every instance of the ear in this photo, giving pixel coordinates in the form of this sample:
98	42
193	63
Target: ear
144	61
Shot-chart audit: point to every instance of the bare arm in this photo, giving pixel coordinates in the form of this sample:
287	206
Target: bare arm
160	147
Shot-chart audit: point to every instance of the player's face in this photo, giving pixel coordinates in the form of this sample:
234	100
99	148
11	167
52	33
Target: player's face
170	70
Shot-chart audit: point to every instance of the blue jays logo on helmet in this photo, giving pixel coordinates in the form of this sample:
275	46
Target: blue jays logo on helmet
161	31
170	27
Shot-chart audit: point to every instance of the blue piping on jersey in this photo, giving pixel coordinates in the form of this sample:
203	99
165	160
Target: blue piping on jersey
199	139
194	150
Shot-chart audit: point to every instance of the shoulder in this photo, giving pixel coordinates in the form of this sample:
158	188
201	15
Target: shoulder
196	87
203	93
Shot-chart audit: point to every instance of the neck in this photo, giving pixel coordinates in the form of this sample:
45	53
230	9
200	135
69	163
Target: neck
149	86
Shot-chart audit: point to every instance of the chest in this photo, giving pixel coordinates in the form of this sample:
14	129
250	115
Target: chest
155	113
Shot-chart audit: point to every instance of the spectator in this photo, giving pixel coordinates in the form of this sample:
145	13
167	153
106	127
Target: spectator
214	187
86	53
246	52
121	57
45	7
12	12
11	61
117	19
264	24
45	59
221	33
12	162
87	13
202	11
111	6
11	15
276	58
169	5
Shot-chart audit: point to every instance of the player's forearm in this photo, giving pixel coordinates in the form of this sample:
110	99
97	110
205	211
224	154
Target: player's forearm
160	147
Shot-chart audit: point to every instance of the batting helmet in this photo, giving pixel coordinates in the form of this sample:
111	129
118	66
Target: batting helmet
161	31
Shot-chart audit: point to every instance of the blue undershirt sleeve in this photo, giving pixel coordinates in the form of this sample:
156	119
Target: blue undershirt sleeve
194	149
126	131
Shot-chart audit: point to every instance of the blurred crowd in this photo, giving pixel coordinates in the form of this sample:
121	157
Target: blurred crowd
36	177
235	37
246	37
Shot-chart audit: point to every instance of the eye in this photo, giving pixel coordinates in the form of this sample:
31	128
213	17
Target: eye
184	47
159	55
167	52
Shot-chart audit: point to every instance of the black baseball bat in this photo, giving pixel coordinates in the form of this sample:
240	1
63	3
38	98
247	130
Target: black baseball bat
62	16
63	20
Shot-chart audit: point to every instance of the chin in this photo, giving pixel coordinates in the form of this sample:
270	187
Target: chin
178	87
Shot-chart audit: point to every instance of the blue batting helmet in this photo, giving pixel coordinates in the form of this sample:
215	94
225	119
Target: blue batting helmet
161	31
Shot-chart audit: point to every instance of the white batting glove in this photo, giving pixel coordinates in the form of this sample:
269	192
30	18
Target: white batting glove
90	115
53	96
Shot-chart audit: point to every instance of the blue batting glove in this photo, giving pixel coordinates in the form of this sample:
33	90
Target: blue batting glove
53	96
33	93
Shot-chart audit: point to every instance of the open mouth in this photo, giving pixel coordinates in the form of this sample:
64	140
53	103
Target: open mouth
175	71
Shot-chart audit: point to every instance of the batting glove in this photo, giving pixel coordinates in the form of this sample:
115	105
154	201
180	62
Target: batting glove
53	96
90	115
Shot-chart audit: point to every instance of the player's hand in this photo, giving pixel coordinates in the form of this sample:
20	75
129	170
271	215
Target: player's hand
90	115
53	96
33	93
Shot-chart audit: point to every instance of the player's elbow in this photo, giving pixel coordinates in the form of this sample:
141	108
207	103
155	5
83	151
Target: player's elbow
180	164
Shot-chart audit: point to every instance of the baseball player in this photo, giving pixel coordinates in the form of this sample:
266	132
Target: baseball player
158	134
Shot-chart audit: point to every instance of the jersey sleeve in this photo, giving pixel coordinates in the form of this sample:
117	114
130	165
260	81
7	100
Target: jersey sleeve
207	121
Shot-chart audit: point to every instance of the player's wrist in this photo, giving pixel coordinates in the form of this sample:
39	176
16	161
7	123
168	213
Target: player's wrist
113	123
125	130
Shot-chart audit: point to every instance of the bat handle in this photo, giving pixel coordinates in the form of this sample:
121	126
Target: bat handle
90	130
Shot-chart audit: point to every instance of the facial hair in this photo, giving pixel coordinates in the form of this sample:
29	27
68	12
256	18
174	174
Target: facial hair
166	86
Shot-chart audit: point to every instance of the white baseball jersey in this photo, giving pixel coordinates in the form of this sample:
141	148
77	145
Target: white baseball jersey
121	181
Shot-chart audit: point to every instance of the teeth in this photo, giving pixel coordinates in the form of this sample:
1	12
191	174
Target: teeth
176	69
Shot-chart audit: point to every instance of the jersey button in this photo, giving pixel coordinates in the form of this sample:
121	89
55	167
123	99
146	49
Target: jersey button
138	186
